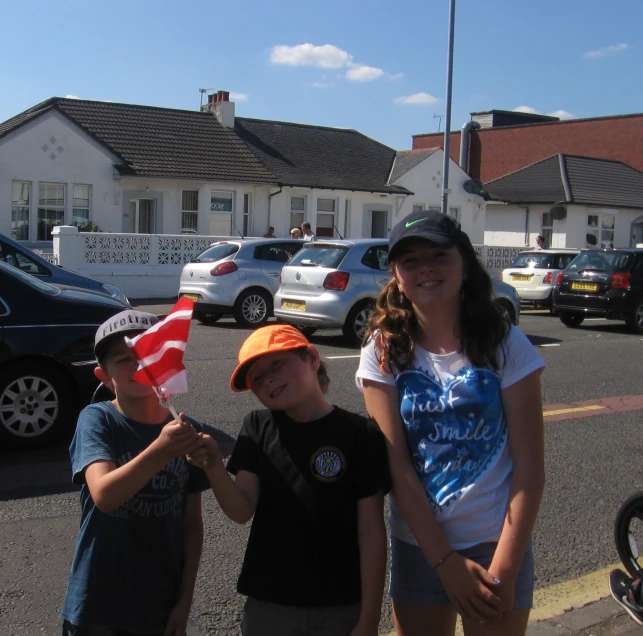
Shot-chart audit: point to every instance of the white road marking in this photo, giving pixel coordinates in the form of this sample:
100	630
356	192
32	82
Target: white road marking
588	319
555	344
341	357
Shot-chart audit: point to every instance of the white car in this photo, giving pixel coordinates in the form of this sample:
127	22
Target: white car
533	273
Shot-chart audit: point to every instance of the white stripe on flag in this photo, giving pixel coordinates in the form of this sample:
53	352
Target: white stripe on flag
185	314
159	353
178	383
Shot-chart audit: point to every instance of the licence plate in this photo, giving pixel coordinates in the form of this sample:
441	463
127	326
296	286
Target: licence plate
286	304
585	286
520	277
193	297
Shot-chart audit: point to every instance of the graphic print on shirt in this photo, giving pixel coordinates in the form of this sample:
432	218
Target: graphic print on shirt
328	464
162	496
454	429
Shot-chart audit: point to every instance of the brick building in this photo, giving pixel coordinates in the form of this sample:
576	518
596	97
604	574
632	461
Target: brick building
507	141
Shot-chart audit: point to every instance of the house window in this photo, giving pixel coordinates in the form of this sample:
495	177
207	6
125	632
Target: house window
326	205
454	213
247	210
189	211
418	207
221	209
325	225
600	230
297	211
20	199
82	197
547	229
434	208
51	209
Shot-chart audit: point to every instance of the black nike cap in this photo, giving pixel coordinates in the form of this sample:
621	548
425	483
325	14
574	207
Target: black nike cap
430	225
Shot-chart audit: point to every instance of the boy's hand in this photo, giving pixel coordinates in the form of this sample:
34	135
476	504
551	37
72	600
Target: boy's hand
362	630
177	623
178	438
207	454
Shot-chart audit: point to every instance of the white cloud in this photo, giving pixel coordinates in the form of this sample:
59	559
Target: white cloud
72	97
238	97
326	56
320	85
605	50
417	98
363	73
561	114
395	76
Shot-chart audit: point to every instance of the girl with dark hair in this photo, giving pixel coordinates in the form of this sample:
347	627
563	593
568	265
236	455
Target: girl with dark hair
456	391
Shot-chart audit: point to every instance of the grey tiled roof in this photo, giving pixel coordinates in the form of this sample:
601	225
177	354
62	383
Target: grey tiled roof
571	179
319	157
406	160
169	143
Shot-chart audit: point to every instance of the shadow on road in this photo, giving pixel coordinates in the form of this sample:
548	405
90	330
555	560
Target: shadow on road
539	341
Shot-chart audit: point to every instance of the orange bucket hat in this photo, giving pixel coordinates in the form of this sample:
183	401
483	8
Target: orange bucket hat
261	342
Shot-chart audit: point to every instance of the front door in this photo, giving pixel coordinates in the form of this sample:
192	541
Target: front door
378	224
142	216
637	232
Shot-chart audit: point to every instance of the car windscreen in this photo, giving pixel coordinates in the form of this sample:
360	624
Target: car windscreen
30	280
218	252
320	256
600	262
532	259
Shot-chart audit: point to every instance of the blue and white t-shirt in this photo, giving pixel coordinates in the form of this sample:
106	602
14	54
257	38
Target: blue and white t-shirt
457	434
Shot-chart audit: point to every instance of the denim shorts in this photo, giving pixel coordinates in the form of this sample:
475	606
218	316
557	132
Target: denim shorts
415	582
261	618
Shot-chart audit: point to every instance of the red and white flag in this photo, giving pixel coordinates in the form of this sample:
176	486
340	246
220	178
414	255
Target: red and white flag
159	351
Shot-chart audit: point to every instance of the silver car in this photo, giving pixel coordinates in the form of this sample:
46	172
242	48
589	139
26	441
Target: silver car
237	277
334	283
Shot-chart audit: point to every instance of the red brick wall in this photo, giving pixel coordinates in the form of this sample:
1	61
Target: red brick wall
495	152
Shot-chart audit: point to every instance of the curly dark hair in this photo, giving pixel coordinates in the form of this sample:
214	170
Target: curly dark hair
483	326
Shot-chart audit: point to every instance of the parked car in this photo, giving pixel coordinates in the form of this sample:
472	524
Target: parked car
333	284
28	261
533	273
607	283
238	277
46	354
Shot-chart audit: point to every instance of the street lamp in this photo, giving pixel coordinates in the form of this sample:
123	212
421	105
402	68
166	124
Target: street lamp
447	128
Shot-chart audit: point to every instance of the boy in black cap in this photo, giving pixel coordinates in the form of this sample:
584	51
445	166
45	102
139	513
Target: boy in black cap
141	531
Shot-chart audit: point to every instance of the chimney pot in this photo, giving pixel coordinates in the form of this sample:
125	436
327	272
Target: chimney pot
225	96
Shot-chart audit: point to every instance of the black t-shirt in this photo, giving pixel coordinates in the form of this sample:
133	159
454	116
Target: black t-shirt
303	548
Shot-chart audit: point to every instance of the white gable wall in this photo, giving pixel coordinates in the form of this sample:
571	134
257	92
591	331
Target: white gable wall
425	181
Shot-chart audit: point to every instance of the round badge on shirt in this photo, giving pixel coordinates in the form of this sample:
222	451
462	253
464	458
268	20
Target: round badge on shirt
328	464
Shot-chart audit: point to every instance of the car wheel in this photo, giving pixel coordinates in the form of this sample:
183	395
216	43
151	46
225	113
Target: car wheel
356	325
205	317
507	310
571	319
636	322
253	308
35	403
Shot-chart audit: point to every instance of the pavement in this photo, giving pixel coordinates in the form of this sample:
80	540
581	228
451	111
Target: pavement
578	607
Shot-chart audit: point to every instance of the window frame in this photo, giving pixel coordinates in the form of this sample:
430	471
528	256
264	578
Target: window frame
48	208
295	221
15	205
189	213
599	228
75	207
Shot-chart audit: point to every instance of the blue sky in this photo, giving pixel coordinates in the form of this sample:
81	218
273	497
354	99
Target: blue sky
373	65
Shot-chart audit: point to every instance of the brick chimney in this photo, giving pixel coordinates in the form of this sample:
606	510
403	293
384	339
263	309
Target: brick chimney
221	107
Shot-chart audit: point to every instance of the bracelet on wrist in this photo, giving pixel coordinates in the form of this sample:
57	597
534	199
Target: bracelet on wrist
442	560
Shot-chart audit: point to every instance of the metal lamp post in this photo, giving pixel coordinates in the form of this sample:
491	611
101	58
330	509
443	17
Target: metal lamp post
447	128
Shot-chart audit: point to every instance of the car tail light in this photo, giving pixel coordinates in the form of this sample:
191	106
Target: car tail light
224	268
559	278
621	280
337	281
547	278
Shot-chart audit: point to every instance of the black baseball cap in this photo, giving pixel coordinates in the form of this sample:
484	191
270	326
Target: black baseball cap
430	225
125	323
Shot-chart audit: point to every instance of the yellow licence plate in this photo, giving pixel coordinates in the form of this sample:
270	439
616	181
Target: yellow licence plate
585	286
286	304
193	297
520	277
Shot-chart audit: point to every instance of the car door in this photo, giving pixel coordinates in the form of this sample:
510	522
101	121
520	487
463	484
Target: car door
273	256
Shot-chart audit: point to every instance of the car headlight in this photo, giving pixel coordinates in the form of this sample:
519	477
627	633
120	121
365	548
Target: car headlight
114	291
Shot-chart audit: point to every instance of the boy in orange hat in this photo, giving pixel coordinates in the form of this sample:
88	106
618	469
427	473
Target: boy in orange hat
314	477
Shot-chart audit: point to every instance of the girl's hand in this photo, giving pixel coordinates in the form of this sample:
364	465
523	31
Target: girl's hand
177	623
506	590
207	454
470	588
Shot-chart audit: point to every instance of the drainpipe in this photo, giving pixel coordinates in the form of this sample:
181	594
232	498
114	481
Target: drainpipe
270	202
464	142
526	221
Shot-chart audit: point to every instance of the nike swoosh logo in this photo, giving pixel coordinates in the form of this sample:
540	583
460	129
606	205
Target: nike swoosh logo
410	223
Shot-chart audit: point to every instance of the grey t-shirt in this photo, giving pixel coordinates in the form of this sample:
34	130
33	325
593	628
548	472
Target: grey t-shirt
127	564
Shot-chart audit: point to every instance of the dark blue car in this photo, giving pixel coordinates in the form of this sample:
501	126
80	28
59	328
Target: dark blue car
28	261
